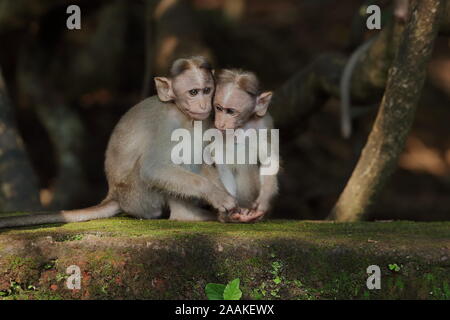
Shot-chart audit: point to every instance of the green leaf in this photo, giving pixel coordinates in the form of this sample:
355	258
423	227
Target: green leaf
232	291
214	291
394	267
277	280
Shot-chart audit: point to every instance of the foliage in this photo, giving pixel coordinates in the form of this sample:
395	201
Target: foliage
231	291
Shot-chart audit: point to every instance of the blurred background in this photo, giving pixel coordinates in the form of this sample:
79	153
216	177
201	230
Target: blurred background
68	88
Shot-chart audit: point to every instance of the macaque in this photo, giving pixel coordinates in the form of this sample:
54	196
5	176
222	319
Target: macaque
239	104
141	177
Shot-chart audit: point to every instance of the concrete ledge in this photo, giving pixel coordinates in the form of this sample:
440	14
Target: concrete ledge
123	258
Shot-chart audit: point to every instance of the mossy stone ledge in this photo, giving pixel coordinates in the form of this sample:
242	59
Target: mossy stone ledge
124	258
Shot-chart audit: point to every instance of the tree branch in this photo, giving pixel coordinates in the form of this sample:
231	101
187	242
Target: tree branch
396	114
306	91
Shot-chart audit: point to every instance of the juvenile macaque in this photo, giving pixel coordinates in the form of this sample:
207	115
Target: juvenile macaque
239	104
142	179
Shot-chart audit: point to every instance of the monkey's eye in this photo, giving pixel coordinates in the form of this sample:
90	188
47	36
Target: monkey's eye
206	90
219	108
193	92
231	111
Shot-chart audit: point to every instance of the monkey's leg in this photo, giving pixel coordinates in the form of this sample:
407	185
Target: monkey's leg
184	210
140	202
248	184
178	181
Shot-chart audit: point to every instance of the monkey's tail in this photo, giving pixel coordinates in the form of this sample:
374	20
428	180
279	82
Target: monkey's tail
345	87
106	209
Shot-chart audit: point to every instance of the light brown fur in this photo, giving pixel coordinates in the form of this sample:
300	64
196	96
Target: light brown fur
142	179
238	91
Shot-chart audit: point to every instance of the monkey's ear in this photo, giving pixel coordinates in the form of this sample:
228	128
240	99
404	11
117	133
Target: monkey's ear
262	103
164	89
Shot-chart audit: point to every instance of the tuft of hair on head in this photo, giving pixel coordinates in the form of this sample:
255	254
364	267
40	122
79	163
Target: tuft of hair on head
195	62
244	80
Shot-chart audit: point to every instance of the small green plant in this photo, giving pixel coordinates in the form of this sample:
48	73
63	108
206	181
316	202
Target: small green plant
394	267
231	291
276	267
274	293
298	283
14	288
77	237
61	276
49	265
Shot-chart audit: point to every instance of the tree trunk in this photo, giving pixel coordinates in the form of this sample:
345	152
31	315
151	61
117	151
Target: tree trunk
396	114
18	183
67	134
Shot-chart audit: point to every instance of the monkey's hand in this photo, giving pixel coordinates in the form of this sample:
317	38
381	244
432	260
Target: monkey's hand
222	201
261	205
246	216
219	198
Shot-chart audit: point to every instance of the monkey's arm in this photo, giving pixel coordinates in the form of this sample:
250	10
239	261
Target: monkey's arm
185	184
214	174
269	188
223	176
268	178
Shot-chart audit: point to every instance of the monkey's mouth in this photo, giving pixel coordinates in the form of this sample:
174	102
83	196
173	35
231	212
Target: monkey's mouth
199	115
224	130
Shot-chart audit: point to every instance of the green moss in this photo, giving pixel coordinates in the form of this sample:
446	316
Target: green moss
124	226
123	258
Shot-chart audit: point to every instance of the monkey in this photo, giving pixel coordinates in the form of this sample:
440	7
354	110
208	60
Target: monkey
401	11
142	179
239	104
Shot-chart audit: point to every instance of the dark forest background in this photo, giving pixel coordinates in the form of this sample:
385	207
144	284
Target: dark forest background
68	88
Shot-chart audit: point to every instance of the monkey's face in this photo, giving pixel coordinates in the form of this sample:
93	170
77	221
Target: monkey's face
233	107
193	91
